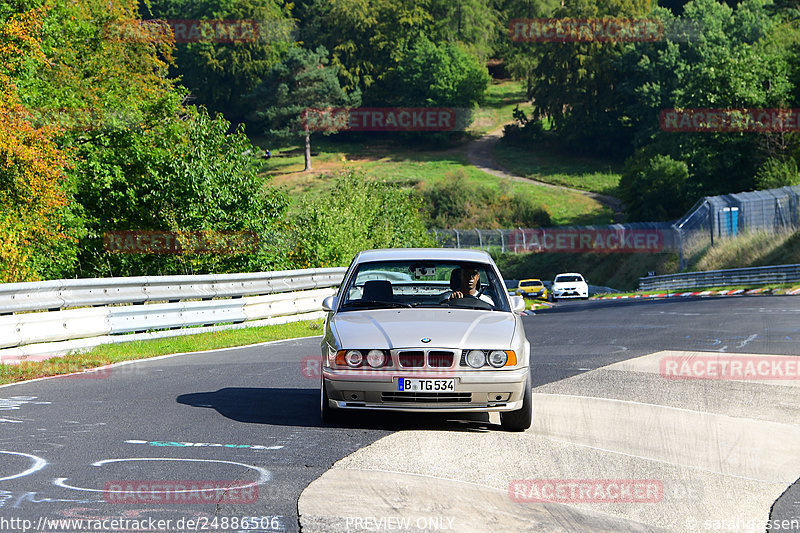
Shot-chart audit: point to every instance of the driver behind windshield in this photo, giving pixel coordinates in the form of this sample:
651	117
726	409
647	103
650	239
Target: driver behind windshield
465	283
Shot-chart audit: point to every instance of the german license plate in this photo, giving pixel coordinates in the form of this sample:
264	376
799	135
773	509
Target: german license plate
425	385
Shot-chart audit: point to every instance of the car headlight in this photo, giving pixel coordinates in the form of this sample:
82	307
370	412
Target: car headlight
498	358
476	358
376	358
354	358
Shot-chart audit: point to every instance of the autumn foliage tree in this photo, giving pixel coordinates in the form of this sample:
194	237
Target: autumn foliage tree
33	199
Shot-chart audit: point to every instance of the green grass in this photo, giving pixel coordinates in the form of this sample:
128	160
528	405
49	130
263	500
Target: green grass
564	207
501	98
751	250
622	271
114	353
569	171
410	168
415	165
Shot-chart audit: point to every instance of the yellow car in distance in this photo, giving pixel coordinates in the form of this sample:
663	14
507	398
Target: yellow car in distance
532	288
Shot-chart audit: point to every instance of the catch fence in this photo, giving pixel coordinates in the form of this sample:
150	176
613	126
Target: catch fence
713	218
620	238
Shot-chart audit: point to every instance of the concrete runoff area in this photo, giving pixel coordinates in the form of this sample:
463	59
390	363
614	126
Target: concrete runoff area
415	503
723	451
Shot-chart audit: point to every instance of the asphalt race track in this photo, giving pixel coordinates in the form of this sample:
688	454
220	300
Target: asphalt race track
138	445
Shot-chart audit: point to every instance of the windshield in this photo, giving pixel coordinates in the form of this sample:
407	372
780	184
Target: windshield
531	284
568	279
399	284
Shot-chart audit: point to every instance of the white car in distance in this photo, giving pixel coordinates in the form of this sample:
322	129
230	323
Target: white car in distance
569	285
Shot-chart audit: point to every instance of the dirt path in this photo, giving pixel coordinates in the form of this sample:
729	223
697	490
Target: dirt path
479	154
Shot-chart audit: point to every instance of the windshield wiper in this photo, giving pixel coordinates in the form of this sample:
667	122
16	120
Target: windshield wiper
374	303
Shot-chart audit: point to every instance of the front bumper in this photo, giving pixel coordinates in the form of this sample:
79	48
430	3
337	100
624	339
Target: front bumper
570	293
532	294
475	391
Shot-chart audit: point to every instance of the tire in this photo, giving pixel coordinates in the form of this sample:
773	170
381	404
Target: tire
327	413
521	419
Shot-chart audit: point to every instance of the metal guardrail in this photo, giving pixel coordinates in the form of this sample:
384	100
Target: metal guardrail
107	307
717	278
58	294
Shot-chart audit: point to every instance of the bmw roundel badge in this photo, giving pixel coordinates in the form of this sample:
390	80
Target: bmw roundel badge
425	339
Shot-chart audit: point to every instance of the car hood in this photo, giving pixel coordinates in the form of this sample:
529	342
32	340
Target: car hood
403	328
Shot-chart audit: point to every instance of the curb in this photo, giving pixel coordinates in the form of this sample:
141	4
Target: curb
734	292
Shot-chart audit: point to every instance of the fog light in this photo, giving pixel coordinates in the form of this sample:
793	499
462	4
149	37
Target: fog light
476	358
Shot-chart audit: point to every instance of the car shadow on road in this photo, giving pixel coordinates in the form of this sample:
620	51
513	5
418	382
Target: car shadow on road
300	407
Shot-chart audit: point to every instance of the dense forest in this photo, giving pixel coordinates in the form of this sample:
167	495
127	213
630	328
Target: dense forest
111	120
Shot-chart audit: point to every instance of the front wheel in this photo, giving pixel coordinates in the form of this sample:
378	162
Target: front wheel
521	419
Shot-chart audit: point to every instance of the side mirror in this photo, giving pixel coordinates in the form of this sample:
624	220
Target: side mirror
517	304
330	303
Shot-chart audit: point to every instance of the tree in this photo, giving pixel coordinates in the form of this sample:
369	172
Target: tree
220	74
302	82
776	173
365	37
430	75
358	213
520	58
129	155
788	8
101	64
178	171
34	205
653	187
576	82
743	58
469	22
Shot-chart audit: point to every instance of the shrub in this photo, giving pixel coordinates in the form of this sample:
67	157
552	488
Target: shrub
776	173
453	203
357	214
654	187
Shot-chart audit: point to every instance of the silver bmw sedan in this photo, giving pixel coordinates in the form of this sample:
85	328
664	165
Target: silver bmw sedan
427	330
